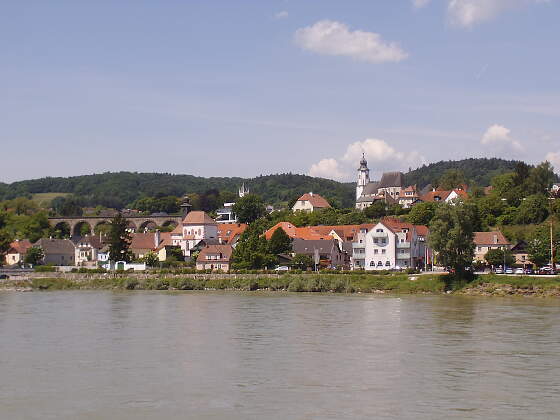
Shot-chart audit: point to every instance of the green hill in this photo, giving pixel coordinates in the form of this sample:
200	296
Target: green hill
477	171
119	189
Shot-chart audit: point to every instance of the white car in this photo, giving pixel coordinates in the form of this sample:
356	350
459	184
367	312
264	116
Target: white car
519	271
282	268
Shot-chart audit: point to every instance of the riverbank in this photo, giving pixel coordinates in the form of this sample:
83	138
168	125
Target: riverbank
483	285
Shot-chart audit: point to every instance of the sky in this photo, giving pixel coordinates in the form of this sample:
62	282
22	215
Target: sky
251	87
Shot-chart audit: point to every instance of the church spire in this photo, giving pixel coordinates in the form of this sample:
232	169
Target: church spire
363	176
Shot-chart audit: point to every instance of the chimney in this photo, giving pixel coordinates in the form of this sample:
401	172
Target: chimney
495	238
220	240
311	193
157	238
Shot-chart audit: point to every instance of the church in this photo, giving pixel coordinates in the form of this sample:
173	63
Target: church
390	188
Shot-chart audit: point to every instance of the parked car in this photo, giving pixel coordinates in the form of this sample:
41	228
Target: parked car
282	268
4	277
499	271
509	270
529	271
519	271
545	270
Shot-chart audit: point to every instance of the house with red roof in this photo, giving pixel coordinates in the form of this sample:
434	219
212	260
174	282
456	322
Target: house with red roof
485	241
215	257
16	252
310	202
195	227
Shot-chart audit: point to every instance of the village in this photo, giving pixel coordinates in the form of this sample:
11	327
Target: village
208	244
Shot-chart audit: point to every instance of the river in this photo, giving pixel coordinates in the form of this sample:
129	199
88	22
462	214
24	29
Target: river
216	355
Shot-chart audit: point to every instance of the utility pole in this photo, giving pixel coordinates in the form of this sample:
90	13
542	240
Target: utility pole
552	267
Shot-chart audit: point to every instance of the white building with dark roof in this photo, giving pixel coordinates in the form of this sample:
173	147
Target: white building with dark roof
388	189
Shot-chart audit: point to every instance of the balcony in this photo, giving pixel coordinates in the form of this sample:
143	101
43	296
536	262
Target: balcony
358	245
403	244
379	234
403	257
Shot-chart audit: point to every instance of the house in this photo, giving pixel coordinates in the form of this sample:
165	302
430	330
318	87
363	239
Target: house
307	233
57	251
226	214
143	243
229	234
196	226
310	202
16	252
215	257
326	251
485	241
408	197
87	250
390	244
446	196
519	251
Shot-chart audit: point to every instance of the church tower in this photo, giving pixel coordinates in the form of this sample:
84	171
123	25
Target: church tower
243	191
363	177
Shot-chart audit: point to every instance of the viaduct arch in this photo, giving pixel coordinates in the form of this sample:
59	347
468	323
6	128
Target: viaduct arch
137	223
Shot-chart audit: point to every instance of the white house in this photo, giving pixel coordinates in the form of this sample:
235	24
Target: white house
390	245
310	202
195	227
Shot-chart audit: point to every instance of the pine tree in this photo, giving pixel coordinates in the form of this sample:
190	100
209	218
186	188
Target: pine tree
280	242
119	239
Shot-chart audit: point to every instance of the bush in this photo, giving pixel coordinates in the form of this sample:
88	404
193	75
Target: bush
44	269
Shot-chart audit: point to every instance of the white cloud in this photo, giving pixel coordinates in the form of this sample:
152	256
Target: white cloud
554	159
281	15
467	13
500	136
335	38
327	168
420	3
380	155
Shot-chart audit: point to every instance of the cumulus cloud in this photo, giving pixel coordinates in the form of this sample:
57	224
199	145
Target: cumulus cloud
554	159
380	155
420	3
334	38
281	15
498	135
327	168
467	13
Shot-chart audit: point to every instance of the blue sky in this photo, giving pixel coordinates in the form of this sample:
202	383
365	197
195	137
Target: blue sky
243	88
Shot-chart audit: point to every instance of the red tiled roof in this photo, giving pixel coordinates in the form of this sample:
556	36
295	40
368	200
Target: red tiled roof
143	241
490	238
19	247
228	231
307	233
315	199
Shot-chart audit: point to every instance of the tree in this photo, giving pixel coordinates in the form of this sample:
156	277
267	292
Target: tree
251	252
150	259
302	262
5	237
451	236
538	246
533	209
34	255
451	179
119	239
249	208
279	242
422	213
495	257
377	209
540	179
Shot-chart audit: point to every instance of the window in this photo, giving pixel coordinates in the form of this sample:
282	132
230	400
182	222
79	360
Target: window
372	264
379	264
383	251
375	251
383	241
387	264
379	230
374	240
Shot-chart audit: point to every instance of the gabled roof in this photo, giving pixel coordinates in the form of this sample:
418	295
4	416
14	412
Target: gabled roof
391	179
143	241
315	199
19	247
227	232
198	218
490	238
56	246
223	252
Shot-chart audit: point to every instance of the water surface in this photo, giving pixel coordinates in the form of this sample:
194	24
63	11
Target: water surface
142	355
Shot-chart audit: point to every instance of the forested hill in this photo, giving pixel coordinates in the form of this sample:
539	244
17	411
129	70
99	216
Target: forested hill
476	171
119	189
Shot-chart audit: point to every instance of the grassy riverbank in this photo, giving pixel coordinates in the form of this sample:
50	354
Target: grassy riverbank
485	285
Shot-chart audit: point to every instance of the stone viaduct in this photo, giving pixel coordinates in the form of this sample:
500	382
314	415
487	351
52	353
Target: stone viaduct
136	223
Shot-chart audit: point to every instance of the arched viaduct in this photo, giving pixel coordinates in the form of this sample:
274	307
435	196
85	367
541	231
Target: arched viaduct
136	223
